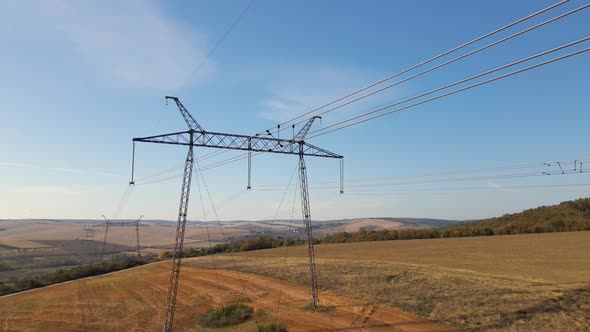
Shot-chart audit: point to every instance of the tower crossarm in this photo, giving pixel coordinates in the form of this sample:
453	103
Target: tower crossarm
122	224
238	142
188	118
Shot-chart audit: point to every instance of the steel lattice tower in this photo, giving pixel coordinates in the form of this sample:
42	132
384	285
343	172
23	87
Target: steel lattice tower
109	223
196	136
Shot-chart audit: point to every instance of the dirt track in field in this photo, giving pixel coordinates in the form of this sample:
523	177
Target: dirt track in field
134	300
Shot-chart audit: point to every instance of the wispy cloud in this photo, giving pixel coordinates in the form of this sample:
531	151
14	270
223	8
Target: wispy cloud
62	169
59	169
131	42
6	163
298	91
495	185
45	191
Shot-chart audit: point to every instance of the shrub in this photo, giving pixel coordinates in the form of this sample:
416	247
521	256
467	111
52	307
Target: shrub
164	254
272	327
227	315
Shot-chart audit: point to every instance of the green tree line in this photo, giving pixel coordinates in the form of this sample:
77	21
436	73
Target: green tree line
257	243
567	216
60	275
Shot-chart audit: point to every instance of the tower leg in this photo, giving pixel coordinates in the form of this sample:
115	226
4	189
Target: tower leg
104	240
249	165
137	237
312	276
180	228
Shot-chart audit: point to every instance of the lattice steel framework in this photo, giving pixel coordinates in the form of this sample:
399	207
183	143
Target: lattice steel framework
197	137
109	223
306	212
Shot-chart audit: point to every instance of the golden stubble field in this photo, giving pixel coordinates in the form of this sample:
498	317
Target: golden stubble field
532	282
134	300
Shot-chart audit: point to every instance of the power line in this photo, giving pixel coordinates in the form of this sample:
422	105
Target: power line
227	32
468	179
453	60
425	62
448	180
455	172
226	161
325	130
233	159
377	193
439	96
230	160
575	166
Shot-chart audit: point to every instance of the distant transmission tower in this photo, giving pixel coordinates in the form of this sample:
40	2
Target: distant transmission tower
136	224
197	136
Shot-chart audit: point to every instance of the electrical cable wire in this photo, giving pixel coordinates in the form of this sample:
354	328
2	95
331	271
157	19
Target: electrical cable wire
324	130
275	218
575	164
451	61
380	193
227	32
203	211
289	229
222	232
224	162
489	34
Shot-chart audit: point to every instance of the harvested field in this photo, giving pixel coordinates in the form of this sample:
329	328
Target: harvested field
133	300
22	244
536	282
554	257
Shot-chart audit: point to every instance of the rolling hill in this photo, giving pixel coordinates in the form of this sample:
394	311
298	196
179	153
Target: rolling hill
563	217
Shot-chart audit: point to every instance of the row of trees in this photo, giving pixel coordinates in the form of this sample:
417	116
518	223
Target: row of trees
257	243
565	217
60	275
568	216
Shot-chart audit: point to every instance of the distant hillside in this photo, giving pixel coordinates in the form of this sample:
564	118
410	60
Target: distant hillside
564	217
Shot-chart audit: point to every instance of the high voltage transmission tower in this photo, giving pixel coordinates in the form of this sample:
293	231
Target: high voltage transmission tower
197	136
107	223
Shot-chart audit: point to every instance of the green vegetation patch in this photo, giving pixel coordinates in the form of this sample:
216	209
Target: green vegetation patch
273	327
226	315
318	308
569	216
60	275
7	247
5	267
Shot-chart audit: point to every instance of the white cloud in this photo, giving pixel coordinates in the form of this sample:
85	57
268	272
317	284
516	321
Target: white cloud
129	41
49	191
493	184
59	169
6	163
62	169
298	91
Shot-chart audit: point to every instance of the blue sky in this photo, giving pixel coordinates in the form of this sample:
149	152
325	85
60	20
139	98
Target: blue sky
79	79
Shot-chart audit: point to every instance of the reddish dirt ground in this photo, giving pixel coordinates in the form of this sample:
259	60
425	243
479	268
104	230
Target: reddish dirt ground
133	300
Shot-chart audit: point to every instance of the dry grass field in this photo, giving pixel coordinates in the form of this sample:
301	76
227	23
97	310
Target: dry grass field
534	282
24	233
537	282
21	244
133	300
